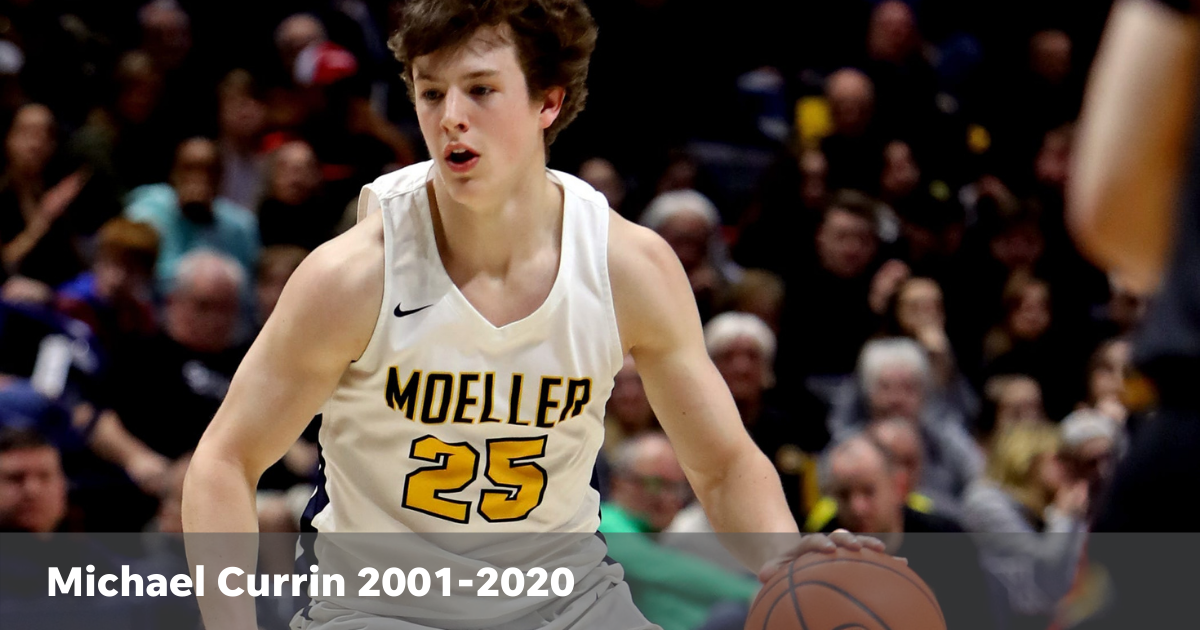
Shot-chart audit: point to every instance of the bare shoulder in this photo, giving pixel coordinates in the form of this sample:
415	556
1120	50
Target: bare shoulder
651	293
337	292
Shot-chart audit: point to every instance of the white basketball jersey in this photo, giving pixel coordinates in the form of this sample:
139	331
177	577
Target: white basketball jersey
448	423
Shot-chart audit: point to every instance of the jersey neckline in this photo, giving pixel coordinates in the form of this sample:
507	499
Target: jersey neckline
460	300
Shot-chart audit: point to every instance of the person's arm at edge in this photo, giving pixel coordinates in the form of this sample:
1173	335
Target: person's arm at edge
660	326
325	318
1133	140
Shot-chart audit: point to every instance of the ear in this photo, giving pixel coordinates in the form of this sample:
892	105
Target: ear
551	105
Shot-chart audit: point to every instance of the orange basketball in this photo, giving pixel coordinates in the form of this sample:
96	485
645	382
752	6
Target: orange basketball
846	590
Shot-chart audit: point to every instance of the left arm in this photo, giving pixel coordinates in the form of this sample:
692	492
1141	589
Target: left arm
660	326
1133	138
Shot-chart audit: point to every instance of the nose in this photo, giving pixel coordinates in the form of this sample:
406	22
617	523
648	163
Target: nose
454	114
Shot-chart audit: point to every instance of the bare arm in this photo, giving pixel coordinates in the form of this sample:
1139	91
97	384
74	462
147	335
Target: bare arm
659	324
324	320
1133	141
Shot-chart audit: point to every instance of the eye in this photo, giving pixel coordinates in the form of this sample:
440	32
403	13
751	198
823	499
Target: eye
481	90
431	95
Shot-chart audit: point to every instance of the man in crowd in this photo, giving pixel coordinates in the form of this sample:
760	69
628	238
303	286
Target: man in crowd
188	214
672	588
870	488
893	381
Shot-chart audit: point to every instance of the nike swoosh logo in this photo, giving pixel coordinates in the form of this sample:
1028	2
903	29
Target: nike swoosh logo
402	313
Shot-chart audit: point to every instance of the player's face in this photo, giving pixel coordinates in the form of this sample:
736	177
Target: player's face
481	125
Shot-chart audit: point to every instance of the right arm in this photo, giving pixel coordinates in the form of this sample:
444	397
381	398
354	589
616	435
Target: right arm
324	321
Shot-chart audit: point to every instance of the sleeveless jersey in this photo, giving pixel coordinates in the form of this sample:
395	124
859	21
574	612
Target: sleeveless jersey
448	423
467	445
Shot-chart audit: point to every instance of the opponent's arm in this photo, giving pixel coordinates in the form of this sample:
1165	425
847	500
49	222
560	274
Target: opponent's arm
1133	140
324	320
660	326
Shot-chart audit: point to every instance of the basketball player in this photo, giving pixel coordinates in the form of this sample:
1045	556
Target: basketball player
1134	207
460	342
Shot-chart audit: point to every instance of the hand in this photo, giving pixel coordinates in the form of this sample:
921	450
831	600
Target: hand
54	203
818	543
885	284
1112	407
149	472
1072	498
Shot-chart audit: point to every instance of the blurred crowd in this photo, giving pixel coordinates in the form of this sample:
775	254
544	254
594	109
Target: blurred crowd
867	200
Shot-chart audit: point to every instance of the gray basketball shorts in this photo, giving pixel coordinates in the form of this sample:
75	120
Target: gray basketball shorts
602	603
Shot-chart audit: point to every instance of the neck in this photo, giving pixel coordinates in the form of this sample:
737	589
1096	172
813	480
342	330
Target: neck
525	217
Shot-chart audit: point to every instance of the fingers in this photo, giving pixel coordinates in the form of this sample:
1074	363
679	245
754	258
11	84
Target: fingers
872	543
845	540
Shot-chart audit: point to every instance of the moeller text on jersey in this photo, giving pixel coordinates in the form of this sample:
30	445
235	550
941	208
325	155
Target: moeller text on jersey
470	397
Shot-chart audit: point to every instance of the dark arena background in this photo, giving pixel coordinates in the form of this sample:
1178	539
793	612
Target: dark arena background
869	200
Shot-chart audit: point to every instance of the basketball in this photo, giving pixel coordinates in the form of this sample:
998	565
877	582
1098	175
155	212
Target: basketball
846	589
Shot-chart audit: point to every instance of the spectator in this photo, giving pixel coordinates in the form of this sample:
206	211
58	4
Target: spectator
1091	444
870	489
295	33
691	224
36	238
241	122
33	486
628	412
894	381
276	265
116	298
901	175
1011	399
188	214
188	100
1108	369
826	340
294	210
916	310
903	441
855	148
743	349
786	209
128	141
673	589
187	367
1026	342
603	176
1029	514
51	379
905	83
760	293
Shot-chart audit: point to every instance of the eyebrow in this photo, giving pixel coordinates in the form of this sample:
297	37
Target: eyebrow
478	74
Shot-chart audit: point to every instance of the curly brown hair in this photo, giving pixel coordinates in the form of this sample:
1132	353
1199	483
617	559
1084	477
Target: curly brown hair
554	40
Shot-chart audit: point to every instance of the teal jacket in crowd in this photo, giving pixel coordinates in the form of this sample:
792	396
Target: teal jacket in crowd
673	589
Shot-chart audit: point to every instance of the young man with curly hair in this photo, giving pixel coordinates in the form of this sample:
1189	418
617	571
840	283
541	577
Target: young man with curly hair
461	341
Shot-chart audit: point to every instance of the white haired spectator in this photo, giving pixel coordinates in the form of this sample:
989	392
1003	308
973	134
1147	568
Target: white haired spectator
742	347
894	380
201	264
1084	425
691	225
726	328
676	202
880	355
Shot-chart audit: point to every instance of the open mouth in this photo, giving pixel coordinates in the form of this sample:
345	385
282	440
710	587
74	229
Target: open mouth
462	156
